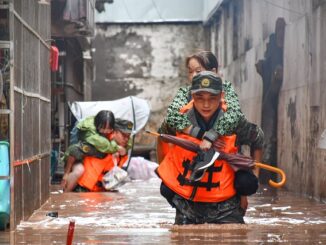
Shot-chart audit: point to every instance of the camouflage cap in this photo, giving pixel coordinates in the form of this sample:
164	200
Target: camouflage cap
207	81
124	126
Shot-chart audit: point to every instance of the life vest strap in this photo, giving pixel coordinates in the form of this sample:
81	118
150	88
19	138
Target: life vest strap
184	181
187	165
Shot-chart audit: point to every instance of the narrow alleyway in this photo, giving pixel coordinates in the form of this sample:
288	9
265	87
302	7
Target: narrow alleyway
57	52
137	214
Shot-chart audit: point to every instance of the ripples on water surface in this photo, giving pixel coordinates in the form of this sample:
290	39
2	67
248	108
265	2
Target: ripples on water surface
137	214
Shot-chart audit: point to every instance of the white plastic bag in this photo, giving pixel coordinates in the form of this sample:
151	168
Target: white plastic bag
141	169
114	178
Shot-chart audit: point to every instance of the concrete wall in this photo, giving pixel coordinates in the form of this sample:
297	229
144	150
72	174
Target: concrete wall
239	36
147	61
303	106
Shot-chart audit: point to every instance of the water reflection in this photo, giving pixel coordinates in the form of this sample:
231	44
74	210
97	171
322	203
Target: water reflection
138	215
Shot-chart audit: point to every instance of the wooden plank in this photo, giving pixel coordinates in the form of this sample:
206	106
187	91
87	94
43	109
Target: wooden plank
27	129
44	179
16	199
16	146
36	122
31	185
15	214
30	29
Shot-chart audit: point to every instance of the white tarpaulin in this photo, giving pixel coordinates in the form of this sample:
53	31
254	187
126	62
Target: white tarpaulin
130	108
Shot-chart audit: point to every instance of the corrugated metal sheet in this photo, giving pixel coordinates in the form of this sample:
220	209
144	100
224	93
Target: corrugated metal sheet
157	11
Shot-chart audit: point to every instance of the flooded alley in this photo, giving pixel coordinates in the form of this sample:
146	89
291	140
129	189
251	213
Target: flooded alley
137	214
94	92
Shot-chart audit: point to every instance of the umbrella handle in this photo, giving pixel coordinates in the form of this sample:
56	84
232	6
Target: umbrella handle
275	170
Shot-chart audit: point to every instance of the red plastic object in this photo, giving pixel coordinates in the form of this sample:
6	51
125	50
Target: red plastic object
70	234
54	58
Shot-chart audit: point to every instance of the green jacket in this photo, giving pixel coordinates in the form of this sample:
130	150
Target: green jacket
89	134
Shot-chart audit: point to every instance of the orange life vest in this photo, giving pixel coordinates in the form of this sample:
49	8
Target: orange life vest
95	169
217	184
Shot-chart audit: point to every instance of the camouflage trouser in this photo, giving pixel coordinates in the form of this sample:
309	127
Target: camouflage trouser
188	212
81	150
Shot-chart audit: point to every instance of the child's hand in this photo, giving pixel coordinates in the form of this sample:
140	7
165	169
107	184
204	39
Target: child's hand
122	151
205	145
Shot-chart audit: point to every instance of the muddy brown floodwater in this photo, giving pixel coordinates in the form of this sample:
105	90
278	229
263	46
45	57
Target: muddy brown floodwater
137	214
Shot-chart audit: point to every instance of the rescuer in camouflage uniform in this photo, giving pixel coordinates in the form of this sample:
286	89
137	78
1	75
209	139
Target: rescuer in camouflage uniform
233	120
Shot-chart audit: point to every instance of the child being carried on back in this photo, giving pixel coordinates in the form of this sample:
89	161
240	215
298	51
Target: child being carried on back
93	140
